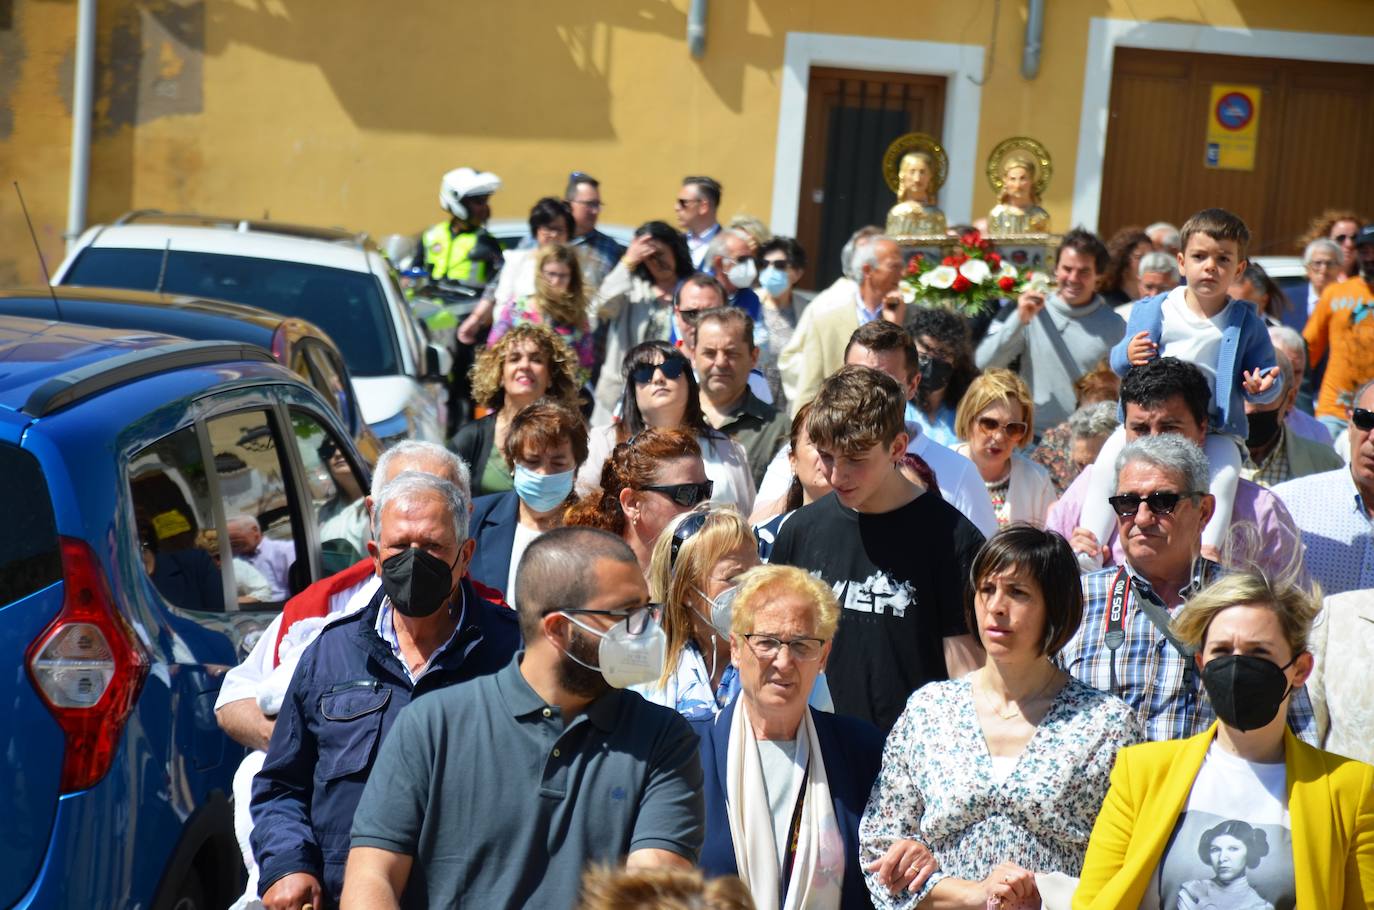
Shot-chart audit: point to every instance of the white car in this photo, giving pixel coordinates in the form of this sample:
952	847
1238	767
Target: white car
333	278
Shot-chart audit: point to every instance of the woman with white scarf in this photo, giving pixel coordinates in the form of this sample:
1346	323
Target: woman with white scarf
785	784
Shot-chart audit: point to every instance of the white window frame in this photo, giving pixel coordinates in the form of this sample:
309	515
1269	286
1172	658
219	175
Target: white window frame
960	64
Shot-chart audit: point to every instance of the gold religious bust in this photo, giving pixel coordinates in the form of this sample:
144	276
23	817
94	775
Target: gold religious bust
1019	171
914	167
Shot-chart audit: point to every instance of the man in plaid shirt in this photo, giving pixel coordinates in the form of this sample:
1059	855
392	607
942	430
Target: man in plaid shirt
1161	504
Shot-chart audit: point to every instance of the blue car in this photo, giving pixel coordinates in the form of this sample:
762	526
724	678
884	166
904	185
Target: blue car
164	498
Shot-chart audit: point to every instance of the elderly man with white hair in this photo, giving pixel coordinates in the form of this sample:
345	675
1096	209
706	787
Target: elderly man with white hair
1322	260
425	629
1293	348
1274	453
822	335
1157	274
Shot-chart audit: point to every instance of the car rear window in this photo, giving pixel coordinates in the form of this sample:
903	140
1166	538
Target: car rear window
349	306
29	554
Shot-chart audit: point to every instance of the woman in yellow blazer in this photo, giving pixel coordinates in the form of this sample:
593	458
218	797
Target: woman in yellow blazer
1244	815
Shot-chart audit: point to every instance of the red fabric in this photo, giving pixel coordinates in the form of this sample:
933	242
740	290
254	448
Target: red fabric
314	600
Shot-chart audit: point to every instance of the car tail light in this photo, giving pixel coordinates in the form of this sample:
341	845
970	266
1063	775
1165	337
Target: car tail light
88	667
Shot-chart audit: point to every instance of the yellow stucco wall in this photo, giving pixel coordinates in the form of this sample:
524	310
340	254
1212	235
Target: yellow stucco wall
347	113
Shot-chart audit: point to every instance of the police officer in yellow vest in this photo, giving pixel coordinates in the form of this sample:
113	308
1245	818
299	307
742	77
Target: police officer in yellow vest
460	249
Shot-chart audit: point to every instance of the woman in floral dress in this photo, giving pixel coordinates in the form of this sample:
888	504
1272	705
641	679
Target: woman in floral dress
1001	773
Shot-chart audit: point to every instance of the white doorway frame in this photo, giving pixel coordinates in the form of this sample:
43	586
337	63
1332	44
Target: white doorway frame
1106	35
960	64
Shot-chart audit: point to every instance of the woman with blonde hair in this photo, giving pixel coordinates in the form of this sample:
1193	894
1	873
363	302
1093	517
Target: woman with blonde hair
559	301
527	363
1169	799
784	783
995	418
695	573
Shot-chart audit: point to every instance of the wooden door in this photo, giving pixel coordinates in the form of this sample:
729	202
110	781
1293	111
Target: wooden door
1316	129
851	116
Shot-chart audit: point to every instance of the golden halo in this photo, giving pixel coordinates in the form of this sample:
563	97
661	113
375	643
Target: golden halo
914	142
1028	148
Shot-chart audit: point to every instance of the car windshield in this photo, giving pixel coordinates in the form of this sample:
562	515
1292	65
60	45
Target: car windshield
349	306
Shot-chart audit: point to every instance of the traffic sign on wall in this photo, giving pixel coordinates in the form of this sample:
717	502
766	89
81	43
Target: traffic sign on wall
1233	127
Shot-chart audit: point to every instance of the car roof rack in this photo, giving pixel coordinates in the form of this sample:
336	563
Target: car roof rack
245	225
91	379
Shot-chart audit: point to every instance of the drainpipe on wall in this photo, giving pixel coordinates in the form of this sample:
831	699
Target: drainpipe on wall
696	29
1035	32
83	97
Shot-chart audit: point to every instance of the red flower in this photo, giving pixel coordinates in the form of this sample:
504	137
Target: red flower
970	238
921	256
994	261
960	284
913	267
985	245
1006	283
949	260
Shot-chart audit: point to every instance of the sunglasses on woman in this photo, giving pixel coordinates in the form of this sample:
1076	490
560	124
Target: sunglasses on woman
685	494
1015	429
1161	503
672	368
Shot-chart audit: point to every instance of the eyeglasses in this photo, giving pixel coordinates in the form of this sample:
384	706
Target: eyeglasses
683	203
766	647
636	618
1362	419
1342	238
685	494
1160	502
778	263
671	368
1015	429
685	529
1323	264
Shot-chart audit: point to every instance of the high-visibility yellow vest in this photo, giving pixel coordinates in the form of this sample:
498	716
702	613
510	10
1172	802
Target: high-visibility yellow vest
449	256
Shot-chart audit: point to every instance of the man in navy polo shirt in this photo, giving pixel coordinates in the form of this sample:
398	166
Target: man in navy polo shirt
497	793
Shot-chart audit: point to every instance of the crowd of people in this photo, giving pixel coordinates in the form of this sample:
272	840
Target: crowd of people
738	597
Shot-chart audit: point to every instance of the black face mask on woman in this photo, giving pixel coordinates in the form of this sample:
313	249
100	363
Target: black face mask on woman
1246	691
417	583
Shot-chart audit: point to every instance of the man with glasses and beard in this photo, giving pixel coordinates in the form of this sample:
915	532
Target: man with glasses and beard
497	794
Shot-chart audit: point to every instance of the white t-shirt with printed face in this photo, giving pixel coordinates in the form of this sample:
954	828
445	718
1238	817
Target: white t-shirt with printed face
1232	848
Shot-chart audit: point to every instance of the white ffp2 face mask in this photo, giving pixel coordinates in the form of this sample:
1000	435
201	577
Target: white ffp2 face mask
627	660
743	273
722	610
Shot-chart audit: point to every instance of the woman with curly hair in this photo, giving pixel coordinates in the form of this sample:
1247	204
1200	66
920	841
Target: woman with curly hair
559	301
529	362
1339	226
646	482
1121	283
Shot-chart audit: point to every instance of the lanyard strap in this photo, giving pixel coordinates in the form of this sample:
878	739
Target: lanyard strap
793	836
1114	630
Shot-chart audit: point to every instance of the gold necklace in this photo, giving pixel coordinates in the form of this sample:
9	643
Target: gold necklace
1016	708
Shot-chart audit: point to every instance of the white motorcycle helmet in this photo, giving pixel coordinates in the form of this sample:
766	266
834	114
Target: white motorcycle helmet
460	183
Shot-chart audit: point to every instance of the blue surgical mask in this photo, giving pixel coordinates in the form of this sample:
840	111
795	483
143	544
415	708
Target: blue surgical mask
773	280
542	492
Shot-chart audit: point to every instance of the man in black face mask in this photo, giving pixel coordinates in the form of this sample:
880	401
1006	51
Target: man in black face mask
1274	452
427	627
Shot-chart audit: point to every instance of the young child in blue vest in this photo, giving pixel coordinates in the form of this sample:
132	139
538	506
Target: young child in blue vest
1225	338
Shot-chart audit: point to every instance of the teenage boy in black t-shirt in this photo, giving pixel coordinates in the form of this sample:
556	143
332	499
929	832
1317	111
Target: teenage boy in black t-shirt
897	557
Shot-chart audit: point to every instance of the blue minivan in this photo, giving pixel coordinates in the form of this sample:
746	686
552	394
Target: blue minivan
124	457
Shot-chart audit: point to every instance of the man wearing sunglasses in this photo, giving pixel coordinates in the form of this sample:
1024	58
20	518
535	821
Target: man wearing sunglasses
695	207
1168	396
1333	509
548	764
1123	645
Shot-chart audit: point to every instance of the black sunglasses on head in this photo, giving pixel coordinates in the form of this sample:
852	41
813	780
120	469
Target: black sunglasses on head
693	523
685	494
672	368
1127	505
1362	419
